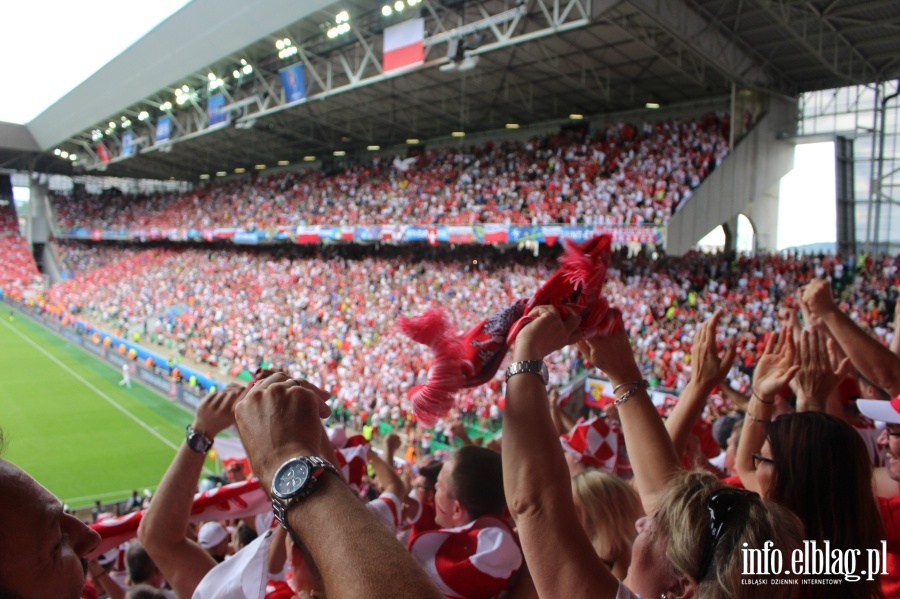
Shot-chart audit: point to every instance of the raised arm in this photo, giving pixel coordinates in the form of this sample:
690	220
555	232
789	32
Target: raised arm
875	361
816	381
708	369
895	340
387	477
162	531
560	557
774	370
279	419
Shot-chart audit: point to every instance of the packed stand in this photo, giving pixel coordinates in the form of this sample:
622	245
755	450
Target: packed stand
19	268
622	175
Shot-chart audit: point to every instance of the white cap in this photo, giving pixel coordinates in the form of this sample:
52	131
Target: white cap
211	534
879	409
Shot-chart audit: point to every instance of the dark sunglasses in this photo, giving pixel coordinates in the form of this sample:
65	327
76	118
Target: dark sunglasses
759	458
721	505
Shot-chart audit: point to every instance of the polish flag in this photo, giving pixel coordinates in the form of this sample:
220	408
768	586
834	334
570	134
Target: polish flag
308	234
404	44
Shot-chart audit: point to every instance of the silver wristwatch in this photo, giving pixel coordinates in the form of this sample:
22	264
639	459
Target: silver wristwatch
533	366
294	481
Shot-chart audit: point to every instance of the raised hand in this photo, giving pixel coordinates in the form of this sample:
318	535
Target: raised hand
708	367
776	366
549	331
613	355
216	412
280	418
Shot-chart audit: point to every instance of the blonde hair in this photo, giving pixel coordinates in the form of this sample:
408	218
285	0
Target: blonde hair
609	509
683	521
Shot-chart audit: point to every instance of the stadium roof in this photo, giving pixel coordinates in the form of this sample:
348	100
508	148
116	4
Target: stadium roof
538	61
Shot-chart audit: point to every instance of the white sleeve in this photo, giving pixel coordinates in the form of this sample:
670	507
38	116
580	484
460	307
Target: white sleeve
387	508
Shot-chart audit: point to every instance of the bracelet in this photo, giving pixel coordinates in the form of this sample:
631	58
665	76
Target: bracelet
638	386
620	385
756	395
755	419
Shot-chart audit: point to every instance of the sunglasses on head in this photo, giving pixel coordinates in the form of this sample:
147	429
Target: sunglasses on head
721	505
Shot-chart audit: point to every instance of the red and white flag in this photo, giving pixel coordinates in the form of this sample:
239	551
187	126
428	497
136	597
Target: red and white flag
404	44
237	500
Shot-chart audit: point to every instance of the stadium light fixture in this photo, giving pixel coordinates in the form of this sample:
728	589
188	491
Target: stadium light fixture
308	158
57	151
204	176
126	122
342	17
283	162
260	167
73	157
412	141
240	170
143	115
576	117
340	153
221	173
458	134
652	105
247	69
512	125
373	148
398	5
165	106
386	10
112	124
96	135
286	48
236	73
63	154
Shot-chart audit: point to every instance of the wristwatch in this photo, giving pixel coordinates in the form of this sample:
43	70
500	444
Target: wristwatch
197	440
533	366
294	481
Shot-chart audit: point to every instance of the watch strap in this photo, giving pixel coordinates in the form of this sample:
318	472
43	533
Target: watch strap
532	366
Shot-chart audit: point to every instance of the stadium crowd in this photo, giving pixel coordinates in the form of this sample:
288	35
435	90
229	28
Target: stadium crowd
345	304
19	270
622	175
796	475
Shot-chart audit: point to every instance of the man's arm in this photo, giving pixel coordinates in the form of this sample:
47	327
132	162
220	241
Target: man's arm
162	531
279	419
875	361
387	477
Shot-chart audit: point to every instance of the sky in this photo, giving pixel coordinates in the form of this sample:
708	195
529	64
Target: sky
806	195
65	43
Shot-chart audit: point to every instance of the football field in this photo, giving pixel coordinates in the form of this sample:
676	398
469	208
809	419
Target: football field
68	423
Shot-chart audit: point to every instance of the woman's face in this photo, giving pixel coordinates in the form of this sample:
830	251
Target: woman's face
650	573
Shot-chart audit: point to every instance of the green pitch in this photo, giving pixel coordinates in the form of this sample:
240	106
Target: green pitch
68	423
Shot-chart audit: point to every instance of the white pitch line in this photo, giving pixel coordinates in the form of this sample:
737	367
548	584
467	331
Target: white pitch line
90	386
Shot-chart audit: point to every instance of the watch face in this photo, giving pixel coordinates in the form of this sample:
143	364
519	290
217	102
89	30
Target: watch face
291	478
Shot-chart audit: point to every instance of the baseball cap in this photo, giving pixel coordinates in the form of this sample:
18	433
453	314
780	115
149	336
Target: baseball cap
878	409
211	534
